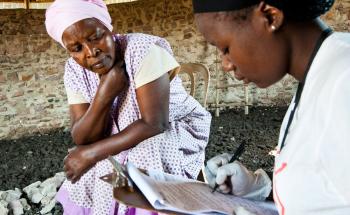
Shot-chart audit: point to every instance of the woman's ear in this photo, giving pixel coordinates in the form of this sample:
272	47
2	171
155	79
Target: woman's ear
274	17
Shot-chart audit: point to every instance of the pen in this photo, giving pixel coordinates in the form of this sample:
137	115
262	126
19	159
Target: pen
235	156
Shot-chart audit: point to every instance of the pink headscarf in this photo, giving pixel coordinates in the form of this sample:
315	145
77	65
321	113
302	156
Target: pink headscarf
63	13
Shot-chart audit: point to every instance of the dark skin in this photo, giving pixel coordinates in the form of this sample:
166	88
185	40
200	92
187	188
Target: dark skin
263	48
91	45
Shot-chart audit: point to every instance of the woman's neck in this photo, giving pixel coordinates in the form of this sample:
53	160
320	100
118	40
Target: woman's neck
303	40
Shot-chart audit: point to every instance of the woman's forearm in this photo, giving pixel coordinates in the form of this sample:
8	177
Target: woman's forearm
132	135
93	125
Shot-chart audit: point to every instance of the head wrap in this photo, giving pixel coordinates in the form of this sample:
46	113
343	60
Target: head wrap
202	6
293	9
63	13
301	10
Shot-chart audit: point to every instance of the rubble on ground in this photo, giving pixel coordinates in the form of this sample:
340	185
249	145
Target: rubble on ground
18	201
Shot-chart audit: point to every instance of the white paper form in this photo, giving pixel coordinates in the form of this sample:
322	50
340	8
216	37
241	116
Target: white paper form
191	197
146	188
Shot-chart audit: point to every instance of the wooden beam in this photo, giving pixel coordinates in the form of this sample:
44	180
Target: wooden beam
26	3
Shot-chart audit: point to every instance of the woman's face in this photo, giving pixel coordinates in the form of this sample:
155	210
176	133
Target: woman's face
247	47
91	45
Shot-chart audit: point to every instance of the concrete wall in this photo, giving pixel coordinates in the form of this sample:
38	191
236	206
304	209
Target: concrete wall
32	96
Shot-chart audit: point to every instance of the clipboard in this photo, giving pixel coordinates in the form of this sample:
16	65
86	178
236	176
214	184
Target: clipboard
133	197
136	199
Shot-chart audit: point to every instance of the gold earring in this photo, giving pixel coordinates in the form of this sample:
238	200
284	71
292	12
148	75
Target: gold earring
273	28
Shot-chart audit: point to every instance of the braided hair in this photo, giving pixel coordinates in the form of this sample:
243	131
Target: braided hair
302	10
294	10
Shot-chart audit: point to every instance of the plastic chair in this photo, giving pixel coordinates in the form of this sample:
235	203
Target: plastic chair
191	69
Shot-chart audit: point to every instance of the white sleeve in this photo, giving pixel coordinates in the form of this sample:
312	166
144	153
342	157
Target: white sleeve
335	139
156	63
75	97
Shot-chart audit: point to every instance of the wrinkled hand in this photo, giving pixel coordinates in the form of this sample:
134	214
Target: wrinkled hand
78	161
236	179
113	82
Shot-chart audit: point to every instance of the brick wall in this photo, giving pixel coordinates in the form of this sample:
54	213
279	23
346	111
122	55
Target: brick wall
32	96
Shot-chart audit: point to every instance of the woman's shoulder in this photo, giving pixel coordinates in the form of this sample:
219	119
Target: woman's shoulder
73	70
335	49
72	65
339	52
139	45
341	37
142	37
145	41
331	69
339	43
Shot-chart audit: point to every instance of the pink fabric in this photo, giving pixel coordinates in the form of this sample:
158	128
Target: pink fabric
70	208
62	197
63	13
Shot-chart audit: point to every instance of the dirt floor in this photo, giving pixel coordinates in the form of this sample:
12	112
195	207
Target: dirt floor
39	156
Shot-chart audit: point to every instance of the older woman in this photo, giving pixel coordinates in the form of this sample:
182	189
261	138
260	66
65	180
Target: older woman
261	41
122	103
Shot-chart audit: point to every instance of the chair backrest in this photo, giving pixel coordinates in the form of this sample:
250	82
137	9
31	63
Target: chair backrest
190	69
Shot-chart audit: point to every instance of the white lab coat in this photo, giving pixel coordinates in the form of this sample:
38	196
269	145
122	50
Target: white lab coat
312	171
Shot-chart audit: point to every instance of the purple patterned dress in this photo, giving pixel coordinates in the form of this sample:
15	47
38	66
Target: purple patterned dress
179	150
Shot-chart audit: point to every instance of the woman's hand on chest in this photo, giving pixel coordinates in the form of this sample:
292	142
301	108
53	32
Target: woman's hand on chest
113	83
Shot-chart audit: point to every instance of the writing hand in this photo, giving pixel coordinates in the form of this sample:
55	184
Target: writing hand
236	179
213	165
